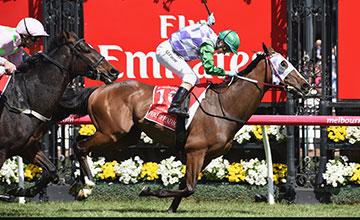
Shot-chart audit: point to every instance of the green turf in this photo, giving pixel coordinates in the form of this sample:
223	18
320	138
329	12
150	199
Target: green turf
188	208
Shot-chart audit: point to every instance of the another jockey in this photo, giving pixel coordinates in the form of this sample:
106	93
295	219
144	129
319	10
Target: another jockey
13	40
197	41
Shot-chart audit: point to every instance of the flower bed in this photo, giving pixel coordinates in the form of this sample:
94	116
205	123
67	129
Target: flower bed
169	171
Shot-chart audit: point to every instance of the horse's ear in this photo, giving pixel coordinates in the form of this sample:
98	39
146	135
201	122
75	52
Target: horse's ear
271	50
265	49
66	34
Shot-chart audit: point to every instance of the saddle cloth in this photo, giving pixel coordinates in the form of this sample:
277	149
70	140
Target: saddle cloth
162	97
4	80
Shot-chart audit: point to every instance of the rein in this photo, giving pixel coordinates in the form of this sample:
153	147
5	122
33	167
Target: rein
229	118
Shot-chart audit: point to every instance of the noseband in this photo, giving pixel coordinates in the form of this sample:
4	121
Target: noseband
93	73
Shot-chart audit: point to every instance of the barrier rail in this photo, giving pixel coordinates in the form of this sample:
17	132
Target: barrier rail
321	120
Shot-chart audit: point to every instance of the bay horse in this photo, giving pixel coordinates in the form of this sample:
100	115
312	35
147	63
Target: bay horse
32	95
118	112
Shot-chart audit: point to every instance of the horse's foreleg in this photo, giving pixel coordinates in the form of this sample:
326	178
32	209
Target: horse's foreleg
86	175
82	149
49	174
194	162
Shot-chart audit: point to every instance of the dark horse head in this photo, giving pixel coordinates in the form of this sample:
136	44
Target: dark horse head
90	61
33	94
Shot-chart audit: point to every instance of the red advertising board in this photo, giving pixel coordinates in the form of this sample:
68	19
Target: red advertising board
348	47
127	32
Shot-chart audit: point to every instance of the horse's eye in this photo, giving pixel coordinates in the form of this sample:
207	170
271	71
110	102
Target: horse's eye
283	64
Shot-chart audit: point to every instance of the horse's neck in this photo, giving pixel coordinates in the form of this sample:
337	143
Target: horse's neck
246	96
46	84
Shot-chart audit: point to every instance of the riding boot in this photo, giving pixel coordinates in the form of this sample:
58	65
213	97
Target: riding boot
175	107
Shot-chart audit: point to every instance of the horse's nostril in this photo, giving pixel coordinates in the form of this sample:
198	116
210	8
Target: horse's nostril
305	86
114	72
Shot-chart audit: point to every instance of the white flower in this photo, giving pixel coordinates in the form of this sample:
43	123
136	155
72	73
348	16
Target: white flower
338	171
243	134
95	166
146	138
129	170
353	134
170	171
276	132
255	171
216	168
9	171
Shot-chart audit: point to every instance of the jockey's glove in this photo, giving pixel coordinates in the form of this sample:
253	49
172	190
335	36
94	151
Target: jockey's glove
211	20
233	72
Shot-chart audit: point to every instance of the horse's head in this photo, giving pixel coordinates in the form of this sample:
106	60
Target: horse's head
91	63
285	73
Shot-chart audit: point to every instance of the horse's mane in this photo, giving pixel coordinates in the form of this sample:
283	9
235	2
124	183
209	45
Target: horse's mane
35	59
56	41
29	63
243	72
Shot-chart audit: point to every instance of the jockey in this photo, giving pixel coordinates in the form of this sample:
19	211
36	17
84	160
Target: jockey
197	41
13	40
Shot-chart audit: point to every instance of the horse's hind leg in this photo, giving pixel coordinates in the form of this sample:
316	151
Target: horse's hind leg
194	163
49	174
175	203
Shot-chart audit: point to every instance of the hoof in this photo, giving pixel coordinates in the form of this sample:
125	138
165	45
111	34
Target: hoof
260	198
83	194
170	211
6	198
17	192
145	191
80	196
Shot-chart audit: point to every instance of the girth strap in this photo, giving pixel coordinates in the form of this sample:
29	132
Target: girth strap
28	112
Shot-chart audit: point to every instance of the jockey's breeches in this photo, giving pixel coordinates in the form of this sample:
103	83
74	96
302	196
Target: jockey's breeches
167	57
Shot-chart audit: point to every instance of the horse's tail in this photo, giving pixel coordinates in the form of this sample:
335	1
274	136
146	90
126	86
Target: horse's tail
74	101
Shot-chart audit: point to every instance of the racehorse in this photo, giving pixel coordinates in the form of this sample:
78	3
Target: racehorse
33	94
118	112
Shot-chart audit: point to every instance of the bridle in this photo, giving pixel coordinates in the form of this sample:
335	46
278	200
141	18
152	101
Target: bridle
274	71
92	74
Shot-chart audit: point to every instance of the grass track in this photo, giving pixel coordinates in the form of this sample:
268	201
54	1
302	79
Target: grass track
188	208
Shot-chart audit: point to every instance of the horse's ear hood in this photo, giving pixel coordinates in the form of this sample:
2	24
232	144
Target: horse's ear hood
265	49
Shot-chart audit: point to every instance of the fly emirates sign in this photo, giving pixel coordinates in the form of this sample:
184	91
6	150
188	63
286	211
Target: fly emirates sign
155	70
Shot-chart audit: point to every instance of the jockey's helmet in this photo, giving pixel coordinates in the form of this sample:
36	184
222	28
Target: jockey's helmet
31	27
231	39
